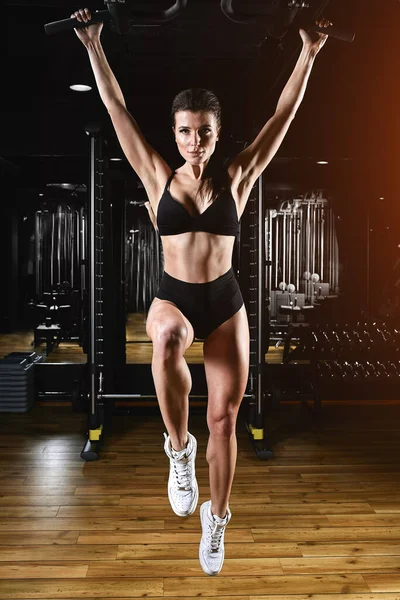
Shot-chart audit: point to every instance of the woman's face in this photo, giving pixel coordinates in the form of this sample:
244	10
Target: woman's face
196	134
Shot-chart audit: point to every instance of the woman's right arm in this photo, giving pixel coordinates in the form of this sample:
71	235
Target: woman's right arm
146	162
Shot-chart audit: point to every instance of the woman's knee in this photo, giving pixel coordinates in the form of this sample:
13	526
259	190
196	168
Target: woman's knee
222	423
168	335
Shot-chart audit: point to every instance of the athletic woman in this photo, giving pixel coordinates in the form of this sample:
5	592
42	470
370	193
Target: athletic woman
197	209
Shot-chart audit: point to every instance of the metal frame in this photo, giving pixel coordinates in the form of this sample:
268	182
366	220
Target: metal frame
256	315
96	291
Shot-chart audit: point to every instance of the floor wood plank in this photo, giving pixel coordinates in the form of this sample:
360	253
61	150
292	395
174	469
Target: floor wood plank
79	524
181	551
40	570
183	568
35	553
335	564
11	589
53	500
32	538
383	582
356	549
333	534
286	584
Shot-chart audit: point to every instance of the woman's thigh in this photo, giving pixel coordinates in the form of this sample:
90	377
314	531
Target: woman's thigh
226	363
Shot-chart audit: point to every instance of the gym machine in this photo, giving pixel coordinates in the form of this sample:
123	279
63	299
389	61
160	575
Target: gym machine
302	242
144	259
55	307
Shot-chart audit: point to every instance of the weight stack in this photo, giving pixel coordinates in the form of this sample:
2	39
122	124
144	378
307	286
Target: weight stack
17	386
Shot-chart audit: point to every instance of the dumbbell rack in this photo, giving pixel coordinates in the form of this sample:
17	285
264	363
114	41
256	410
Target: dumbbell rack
362	353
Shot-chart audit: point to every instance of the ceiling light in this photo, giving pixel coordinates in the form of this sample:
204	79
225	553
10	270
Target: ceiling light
116	159
322	162
79	87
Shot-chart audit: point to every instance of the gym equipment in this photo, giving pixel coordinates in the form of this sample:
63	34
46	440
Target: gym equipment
144	258
60	232
358	371
280	16
17	388
122	17
361	353
361	342
301	239
59	270
258	321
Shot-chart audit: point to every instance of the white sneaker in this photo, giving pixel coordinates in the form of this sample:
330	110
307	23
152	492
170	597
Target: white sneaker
211	551
183	491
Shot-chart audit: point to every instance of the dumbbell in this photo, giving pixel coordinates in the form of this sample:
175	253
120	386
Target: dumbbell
326	370
370	367
341	369
359	370
382	369
348	370
393	369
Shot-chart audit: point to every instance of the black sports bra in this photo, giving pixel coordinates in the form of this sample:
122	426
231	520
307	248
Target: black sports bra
220	217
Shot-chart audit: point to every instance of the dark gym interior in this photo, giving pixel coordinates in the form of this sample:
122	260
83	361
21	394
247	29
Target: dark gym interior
320	235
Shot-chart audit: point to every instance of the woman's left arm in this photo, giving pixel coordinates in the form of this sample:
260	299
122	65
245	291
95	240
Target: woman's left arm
251	162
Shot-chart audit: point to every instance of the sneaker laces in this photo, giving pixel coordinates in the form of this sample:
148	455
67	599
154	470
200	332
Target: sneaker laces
216	536
182	472
181	465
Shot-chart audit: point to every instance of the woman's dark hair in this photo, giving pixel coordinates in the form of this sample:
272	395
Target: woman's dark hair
215	177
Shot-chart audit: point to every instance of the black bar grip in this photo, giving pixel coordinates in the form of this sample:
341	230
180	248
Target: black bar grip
69	24
121	15
332	31
280	29
170	13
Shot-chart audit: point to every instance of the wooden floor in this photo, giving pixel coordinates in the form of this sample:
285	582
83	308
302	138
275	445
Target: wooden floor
320	520
139	348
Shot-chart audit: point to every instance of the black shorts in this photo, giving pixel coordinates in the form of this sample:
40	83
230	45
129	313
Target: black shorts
205	305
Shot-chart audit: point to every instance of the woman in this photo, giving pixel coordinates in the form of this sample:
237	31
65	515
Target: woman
197	210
